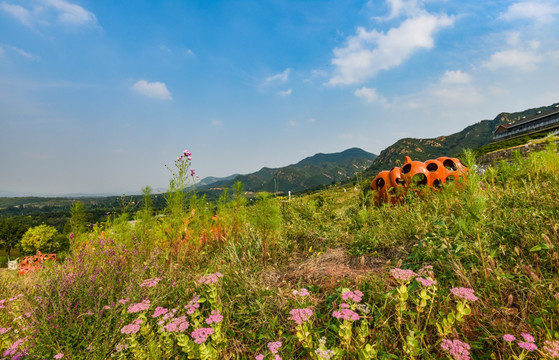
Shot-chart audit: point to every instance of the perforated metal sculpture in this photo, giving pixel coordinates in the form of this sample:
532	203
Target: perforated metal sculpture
391	185
34	262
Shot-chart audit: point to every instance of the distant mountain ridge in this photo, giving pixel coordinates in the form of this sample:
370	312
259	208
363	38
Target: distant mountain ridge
472	137
319	169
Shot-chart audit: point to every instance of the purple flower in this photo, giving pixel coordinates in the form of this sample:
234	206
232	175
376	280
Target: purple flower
201	335
464	293
300	315
192	172
402	274
457	349
509	337
527	337
72	236
215	317
528	346
426	282
274	346
59	356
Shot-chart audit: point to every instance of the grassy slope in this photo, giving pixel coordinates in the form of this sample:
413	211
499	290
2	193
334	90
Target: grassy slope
497	234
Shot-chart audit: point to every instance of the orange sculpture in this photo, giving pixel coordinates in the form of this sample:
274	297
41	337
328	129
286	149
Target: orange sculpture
391	186
34	262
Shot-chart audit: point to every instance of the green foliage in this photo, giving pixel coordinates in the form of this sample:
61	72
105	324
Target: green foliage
42	238
11	233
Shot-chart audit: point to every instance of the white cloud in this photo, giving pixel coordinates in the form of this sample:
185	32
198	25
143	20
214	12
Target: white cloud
400	7
19	12
216	123
25	54
285	92
369	52
455	77
281	77
538	11
369	94
514	58
72	14
156	89
292	123
51	11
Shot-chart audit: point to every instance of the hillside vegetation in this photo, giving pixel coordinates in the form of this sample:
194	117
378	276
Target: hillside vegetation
469	271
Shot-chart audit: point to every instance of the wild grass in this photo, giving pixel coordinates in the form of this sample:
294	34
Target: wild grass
456	273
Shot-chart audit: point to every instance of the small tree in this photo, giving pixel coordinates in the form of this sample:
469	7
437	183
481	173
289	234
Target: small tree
40	238
10	234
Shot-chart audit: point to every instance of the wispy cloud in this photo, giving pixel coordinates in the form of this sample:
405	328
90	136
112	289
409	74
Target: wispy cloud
541	12
514	58
368	52
48	11
155	90
18	12
278	78
285	92
369	94
455	77
216	123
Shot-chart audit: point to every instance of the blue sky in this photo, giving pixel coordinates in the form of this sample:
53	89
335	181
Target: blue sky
97	96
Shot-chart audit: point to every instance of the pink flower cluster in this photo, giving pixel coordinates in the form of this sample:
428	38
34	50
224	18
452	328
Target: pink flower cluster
551	348
59	356
177	324
215	317
150	282
556	296
464	293
14	351
201	335
132	328
402	274
300	315
345	313
4	330
354	296
185	155
426	282
527	344
210	279
192	305
457	349
274	346
302	292
142	306
159	311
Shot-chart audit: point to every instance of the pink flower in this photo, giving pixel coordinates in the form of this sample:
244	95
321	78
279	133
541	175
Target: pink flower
528	337
123	301
300	315
134	308
259	357
355	296
201	335
59	356
215	317
150	282
159	311
277	357
528	346
274	346
556	296
426	282
187	153
464	293
402	274
302	292
210	279
509	337
132	328
192	172
178	324
551	348
457	349
72	236
346	314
